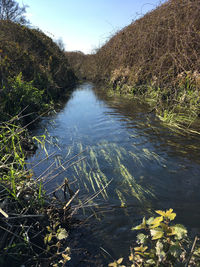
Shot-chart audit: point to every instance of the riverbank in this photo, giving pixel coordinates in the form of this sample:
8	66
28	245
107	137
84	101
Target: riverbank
179	110
34	77
34	72
152	167
147	166
155	58
33	227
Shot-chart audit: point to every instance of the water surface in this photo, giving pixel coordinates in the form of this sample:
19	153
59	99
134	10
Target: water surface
147	165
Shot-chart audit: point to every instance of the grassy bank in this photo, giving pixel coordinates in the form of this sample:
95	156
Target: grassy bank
33	226
34	75
34	71
180	108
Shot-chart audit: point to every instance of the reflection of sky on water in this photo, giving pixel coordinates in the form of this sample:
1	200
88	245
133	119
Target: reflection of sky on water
149	165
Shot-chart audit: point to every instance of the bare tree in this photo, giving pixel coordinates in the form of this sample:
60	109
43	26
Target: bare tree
60	44
10	10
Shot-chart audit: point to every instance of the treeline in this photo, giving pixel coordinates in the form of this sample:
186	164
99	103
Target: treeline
84	66
156	56
34	71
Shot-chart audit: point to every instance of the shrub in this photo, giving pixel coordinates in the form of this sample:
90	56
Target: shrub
162	243
19	95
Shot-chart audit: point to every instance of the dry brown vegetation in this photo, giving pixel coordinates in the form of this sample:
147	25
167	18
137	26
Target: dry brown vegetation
157	56
158	46
162	44
83	65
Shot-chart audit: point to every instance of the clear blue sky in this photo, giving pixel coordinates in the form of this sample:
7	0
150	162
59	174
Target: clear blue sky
84	24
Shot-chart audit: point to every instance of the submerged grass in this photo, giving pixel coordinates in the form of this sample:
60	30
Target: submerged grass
106	161
50	215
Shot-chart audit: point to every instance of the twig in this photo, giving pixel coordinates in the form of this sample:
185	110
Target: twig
53	177
67	161
107	253
192	251
4	213
41	161
96	194
68	203
24	216
23	239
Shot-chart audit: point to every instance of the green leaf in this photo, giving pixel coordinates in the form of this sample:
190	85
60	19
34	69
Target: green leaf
116	263
197	252
112	264
159	251
45	239
141	248
166	228
170	214
141	238
161	256
141	226
156	222
156	233
119	261
49	237
151	262
150	220
159	247
66	257
175	250
167	214
180	231
160	212
61	234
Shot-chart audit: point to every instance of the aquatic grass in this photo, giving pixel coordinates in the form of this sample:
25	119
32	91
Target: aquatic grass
93	159
87	171
105	155
179	124
129	180
136	159
121	198
91	181
137	190
113	154
90	177
99	176
118	151
151	155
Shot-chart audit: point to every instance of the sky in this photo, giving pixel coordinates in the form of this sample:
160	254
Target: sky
84	25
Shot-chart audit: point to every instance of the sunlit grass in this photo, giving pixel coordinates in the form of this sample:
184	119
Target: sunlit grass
106	161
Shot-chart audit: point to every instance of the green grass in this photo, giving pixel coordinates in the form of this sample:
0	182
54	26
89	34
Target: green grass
33	227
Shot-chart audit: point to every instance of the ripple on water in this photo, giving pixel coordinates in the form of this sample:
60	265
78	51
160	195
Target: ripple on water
150	166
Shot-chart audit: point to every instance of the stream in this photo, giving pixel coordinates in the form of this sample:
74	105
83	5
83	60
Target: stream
126	164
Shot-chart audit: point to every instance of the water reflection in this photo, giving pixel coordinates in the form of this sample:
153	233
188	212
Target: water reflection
149	165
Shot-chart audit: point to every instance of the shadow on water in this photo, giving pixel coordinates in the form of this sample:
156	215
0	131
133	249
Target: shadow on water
148	166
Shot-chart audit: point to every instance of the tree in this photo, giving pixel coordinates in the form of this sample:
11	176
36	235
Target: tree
60	44
10	10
